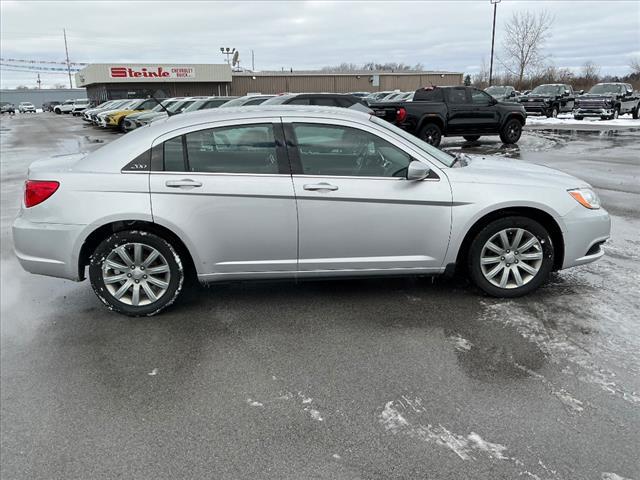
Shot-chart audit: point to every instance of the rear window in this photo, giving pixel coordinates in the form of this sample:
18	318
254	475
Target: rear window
431	95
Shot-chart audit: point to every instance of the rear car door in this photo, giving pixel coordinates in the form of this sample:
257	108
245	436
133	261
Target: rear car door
226	190
357	212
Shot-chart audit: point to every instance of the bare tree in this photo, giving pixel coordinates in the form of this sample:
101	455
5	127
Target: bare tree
590	72
524	37
635	65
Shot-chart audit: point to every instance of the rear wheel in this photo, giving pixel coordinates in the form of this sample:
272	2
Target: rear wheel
431	133
471	138
136	273
511	131
511	257
578	117
634	112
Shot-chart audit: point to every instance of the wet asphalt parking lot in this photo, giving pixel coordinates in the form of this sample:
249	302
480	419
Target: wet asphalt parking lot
367	379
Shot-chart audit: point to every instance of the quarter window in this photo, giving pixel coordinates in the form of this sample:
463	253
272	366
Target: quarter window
174	155
237	149
330	150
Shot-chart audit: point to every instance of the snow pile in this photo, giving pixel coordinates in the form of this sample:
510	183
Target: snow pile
567	119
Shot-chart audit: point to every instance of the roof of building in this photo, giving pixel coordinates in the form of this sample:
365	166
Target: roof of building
278	73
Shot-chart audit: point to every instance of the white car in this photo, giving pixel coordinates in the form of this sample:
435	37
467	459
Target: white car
26	107
64	107
79	106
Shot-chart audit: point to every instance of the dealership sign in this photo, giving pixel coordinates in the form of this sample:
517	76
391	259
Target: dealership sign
152	72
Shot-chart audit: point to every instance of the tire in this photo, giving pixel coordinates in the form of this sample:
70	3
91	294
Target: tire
578	117
57	111
511	131
539	262
471	138
554	112
119	293
634	112
616	113
431	133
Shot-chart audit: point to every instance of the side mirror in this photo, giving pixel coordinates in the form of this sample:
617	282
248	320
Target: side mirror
581	92
417	171
512	93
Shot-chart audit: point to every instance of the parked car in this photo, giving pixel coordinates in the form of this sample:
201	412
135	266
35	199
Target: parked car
549	100
87	115
376	96
79	106
64	107
175	109
115	117
343	100
607	101
454	112
360	94
246	101
131	120
48	106
101	117
26	107
7	107
294	192
504	93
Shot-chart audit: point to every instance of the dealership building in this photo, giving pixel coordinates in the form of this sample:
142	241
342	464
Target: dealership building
114	81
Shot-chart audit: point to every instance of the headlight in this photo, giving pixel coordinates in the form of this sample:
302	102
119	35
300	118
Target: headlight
586	197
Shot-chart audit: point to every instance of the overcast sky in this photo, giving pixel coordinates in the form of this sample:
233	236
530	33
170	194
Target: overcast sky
453	35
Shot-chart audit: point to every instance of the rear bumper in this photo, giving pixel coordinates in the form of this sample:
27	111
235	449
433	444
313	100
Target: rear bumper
586	231
47	248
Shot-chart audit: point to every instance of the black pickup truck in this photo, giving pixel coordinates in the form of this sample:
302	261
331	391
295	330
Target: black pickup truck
607	101
549	99
465	112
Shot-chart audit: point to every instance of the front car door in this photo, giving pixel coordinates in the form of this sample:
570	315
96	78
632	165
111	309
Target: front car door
225	189
462	112
357	213
485	112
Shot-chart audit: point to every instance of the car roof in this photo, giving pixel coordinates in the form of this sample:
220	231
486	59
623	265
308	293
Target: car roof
110	157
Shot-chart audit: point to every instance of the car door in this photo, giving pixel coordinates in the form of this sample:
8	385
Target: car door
357	212
225	189
462	112
485	112
568	99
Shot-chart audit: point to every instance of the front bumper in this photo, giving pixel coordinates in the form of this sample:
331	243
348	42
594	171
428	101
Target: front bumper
538	109
47	248
593	112
585	232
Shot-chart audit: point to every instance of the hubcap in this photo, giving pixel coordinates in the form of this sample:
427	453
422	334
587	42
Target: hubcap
136	274
511	258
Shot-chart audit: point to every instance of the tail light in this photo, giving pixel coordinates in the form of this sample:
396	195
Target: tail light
37	191
401	114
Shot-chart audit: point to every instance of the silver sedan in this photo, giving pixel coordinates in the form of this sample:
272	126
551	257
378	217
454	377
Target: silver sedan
296	192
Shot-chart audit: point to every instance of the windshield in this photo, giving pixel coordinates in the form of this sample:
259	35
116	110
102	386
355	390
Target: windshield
496	90
166	104
606	88
548	90
430	150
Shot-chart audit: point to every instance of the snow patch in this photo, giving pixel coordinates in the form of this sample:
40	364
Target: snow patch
462	344
612	476
254	403
153	372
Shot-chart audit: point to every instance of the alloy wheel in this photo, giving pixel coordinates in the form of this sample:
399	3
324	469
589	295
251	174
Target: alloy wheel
511	258
136	274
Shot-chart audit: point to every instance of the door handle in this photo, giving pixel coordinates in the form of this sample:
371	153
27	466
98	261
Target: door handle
185	182
320	186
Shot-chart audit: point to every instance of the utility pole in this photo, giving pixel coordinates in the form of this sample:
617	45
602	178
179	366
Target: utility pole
493	38
39	82
253	64
66	49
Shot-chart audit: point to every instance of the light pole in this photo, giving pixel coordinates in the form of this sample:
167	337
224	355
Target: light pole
493	38
228	52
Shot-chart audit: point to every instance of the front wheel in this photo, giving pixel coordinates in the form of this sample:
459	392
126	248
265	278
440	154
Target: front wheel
136	273
578	117
471	138
511	257
511	131
431	134
634	112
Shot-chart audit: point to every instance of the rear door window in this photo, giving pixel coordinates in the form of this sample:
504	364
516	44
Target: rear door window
236	149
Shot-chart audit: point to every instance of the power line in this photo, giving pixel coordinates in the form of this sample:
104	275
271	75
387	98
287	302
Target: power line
52	62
